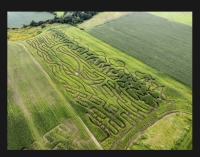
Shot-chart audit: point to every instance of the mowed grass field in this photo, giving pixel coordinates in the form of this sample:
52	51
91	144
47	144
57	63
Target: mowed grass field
39	116
59	13
182	17
113	111
175	128
156	41
101	18
24	33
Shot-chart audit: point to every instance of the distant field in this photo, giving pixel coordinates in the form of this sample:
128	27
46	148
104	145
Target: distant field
166	134
37	111
59	13
101	18
182	17
115	95
164	45
24	33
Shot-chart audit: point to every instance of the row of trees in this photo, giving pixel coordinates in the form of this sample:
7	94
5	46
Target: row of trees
73	18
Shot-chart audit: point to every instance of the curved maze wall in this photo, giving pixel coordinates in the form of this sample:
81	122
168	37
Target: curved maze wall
65	136
115	100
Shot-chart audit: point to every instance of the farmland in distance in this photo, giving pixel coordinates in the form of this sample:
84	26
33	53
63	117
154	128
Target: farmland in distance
164	45
182	17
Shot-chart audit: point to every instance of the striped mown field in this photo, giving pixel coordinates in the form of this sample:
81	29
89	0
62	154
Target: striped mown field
37	109
182	17
164	45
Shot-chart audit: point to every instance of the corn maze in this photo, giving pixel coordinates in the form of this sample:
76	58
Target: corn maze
64	136
116	100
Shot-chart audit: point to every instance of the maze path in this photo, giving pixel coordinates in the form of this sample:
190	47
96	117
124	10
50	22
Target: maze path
114	98
64	136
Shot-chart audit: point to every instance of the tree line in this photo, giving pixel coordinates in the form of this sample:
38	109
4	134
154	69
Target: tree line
69	17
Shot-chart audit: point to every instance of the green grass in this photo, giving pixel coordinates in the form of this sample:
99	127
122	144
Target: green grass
35	105
171	132
101	18
80	86
18	137
182	17
186	142
25	33
59	13
164	45
66	53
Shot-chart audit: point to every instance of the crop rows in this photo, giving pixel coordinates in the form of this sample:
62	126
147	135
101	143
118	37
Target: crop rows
114	99
65	136
164	45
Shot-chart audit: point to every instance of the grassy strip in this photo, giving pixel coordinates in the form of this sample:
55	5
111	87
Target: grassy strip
186	143
176	134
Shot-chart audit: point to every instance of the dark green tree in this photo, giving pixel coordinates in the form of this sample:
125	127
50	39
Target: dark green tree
33	23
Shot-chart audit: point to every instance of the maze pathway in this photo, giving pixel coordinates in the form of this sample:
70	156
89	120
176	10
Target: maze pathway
65	136
115	99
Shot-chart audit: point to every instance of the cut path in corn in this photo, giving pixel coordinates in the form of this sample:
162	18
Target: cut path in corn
60	94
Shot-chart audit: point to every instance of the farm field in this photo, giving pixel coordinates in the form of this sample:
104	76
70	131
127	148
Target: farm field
101	18
59	13
24	33
175	128
70	90
182	17
153	40
39	117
